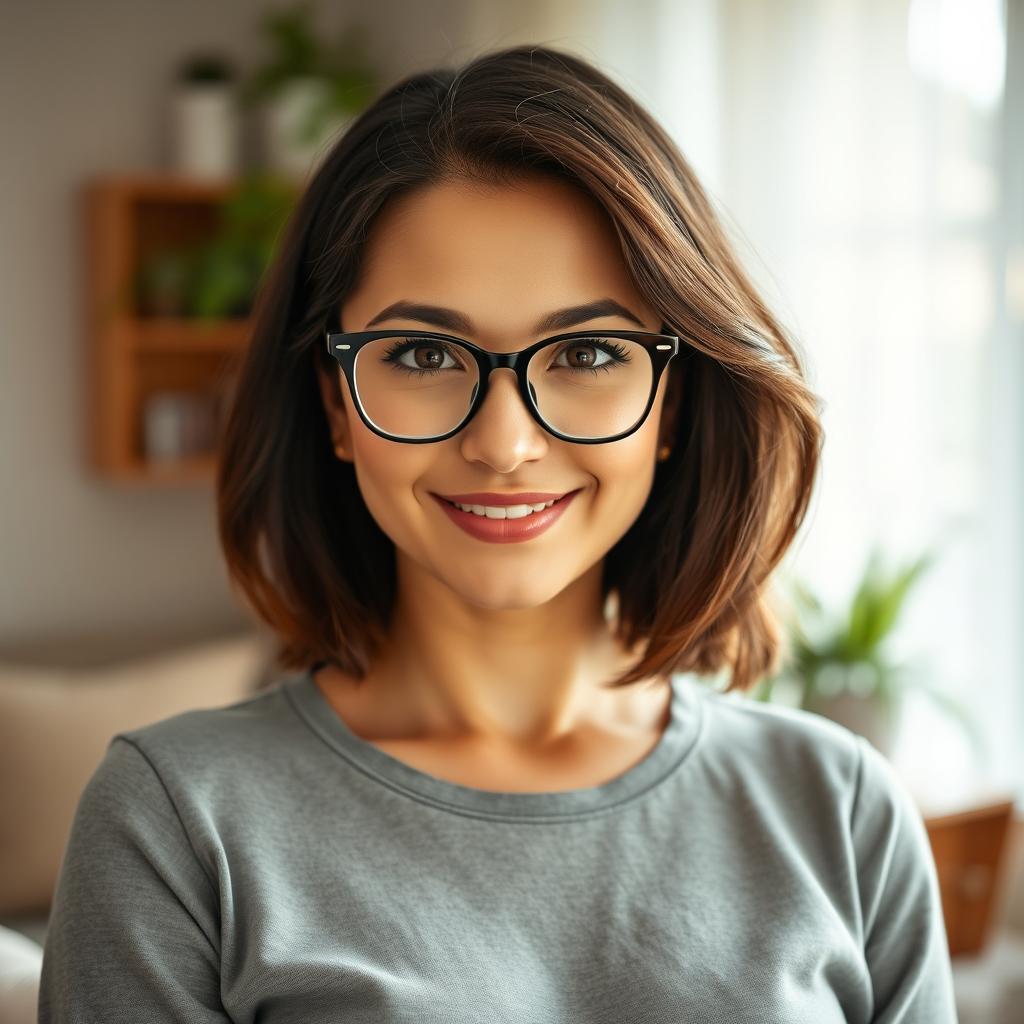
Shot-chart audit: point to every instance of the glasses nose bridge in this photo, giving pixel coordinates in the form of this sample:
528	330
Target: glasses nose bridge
503	361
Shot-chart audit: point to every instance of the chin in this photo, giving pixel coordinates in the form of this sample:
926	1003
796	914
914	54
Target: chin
516	590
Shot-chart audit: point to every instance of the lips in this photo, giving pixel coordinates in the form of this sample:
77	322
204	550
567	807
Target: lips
506	531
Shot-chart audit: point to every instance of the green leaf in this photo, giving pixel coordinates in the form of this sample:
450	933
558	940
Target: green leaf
877	604
298	52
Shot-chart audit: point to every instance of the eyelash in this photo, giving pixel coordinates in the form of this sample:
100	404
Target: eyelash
616	351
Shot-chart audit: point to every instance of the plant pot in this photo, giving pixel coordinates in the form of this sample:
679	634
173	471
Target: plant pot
205	130
287	149
869	716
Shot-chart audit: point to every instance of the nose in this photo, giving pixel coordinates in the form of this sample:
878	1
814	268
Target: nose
503	433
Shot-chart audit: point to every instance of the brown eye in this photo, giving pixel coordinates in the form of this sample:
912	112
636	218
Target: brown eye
582	355
592	354
428	358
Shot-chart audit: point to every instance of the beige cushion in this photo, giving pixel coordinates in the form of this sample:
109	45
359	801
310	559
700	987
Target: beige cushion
55	725
21	961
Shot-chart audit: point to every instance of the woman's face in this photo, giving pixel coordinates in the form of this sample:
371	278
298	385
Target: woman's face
503	257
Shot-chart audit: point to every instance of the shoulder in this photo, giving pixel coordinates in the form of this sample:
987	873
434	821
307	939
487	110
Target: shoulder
258	712
793	775
790	758
786	736
806	765
203	746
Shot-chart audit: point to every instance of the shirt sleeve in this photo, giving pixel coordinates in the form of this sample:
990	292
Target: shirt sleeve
904	932
134	930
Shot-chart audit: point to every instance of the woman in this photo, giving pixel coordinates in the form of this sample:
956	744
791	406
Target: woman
512	457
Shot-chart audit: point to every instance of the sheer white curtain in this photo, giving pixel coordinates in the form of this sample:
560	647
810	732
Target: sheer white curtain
861	155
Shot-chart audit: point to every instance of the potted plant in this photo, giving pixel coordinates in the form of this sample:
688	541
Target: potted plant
218	277
162	283
204	122
227	269
309	90
838	665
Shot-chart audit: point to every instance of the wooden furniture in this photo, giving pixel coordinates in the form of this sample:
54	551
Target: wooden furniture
971	850
135	356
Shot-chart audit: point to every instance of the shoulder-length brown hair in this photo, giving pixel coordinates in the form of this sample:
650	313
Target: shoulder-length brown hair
690	576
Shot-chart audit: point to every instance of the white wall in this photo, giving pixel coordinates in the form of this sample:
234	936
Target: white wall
82	89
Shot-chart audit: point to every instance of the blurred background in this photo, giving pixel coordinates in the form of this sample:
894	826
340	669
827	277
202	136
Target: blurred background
866	156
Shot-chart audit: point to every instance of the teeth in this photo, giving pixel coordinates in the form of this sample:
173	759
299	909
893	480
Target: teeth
505	511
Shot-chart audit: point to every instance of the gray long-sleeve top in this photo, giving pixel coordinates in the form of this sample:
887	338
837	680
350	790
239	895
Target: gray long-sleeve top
261	862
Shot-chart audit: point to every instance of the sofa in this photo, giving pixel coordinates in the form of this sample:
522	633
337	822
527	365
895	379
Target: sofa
57	715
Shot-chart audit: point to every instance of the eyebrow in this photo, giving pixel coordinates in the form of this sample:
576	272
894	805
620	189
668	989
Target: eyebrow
453	320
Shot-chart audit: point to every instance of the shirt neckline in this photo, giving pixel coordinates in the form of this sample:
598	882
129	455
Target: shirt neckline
680	736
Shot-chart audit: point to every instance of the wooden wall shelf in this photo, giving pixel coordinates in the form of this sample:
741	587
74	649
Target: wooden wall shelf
183	334
139	361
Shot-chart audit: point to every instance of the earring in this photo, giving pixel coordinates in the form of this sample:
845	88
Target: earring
664	452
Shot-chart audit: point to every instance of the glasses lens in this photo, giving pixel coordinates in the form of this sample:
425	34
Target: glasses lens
591	387
423	387
415	387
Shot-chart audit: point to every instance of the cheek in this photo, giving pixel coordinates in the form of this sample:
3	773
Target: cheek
381	465
387	473
629	461
624	471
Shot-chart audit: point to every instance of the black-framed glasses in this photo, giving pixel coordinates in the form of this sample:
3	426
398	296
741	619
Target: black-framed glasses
589	387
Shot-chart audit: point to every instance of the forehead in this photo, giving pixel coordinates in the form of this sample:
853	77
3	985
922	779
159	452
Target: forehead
512	250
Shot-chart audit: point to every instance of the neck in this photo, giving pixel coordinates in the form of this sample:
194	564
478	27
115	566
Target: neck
523	677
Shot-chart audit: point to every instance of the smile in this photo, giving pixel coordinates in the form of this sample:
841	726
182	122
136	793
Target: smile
506	524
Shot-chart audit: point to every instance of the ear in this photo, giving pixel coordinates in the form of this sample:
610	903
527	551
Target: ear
330	384
671	403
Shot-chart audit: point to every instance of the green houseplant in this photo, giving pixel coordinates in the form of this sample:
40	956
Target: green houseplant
309	88
218	277
228	268
838	664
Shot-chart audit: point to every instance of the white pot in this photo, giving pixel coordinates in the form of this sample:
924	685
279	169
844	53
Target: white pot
866	715
205	131
285	150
